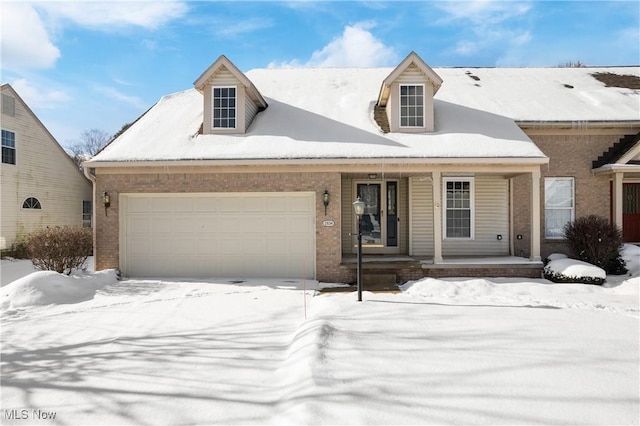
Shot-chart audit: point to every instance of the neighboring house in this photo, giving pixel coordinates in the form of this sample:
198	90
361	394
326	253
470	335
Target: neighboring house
464	171
41	185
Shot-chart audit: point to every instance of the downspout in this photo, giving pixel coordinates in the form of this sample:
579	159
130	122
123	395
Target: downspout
91	175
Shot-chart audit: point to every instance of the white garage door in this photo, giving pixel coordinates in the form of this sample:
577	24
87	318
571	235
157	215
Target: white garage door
218	235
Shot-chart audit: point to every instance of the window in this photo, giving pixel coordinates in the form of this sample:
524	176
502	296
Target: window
224	108
87	212
559	204
411	106
8	105
8	147
458	211
31	203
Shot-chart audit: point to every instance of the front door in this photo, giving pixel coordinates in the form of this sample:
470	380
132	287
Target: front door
380	218
631	212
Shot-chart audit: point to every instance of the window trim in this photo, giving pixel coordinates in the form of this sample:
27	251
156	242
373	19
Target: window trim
213	108
36	206
472	207
14	148
424	118
572	208
87	223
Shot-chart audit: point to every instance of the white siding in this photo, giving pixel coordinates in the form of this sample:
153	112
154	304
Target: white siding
421	216
491	220
42	170
250	111
223	77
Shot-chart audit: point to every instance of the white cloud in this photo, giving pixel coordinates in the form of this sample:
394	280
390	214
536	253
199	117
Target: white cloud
27	39
494	23
103	15
483	12
115	94
236	28
25	42
356	47
38	97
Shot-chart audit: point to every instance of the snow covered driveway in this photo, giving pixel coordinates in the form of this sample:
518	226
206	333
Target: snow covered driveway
476	351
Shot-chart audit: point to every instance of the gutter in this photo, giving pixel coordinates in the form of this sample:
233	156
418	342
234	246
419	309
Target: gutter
578	124
325	161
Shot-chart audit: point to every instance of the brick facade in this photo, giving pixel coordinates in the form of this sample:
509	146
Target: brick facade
570	155
328	243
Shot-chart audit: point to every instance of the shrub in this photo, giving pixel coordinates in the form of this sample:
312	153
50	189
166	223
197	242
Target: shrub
594	240
60	249
565	270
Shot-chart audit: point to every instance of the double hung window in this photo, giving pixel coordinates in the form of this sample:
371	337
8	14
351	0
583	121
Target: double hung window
559	205
458	211
411	105
86	213
224	108
8	147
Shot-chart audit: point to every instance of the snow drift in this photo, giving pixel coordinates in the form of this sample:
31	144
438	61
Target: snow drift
49	287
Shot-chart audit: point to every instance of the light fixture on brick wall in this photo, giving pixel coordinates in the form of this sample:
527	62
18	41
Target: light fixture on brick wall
106	201
325	200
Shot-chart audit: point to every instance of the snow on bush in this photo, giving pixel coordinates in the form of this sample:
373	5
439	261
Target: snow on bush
554	256
49	287
631	256
565	270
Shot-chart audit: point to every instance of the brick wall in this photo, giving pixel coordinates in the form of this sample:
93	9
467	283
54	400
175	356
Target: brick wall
570	156
328	243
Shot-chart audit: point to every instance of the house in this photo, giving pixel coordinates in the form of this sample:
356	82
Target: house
464	171
41	185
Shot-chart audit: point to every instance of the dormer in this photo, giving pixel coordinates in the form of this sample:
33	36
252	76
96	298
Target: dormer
231	101
407	94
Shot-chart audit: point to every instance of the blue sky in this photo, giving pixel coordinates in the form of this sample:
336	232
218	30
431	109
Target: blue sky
100	64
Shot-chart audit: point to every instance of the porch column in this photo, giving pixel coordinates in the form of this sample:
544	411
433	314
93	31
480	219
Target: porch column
617	199
436	178
535	215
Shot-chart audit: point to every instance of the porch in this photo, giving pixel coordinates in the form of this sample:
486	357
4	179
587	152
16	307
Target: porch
381	272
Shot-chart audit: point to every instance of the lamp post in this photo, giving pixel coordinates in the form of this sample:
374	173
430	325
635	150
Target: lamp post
358	208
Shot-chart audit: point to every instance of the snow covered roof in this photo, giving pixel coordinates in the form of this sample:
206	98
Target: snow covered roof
327	113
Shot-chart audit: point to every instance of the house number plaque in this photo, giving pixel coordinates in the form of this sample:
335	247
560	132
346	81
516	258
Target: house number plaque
328	223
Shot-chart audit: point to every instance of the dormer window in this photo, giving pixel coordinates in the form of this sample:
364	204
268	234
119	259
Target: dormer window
224	108
411	105
230	100
405	102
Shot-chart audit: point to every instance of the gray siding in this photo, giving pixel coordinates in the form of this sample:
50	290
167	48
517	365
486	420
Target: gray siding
250	111
421	216
491	219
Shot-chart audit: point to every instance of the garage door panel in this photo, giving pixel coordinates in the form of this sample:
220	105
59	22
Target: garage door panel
161	246
182	224
206	204
138	205
160	224
138	224
230	246
230	224
219	235
161	205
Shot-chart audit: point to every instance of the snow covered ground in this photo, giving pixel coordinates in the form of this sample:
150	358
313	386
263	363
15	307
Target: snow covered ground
463	351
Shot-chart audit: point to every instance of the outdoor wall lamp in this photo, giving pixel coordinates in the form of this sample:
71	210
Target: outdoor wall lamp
358	209
106	201
325	200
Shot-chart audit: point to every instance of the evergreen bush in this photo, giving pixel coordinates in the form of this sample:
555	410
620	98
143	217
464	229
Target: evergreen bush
59	249
595	240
